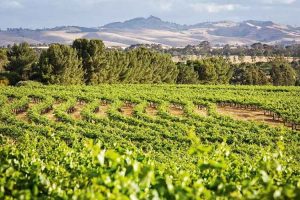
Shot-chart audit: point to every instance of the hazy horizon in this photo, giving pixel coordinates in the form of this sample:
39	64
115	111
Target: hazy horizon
38	14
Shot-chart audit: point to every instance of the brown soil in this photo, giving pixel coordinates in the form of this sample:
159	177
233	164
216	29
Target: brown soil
152	111
176	111
249	115
23	116
127	110
50	115
201	112
78	108
102	110
10	100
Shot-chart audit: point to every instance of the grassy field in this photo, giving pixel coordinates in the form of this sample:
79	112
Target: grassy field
149	142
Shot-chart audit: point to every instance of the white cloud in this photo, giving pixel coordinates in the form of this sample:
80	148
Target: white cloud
164	5
10	4
214	7
279	1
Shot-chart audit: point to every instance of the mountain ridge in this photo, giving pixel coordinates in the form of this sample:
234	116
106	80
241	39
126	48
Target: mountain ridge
155	30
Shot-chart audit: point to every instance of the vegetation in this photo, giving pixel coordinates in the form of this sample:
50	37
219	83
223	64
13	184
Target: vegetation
59	65
89	62
206	49
249	74
47	152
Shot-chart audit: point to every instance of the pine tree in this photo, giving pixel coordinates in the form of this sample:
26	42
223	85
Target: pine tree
282	72
21	59
93	55
60	65
187	74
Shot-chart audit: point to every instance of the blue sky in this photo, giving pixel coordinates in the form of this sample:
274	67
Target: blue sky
94	13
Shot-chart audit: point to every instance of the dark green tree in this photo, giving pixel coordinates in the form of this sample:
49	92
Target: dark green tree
214	70
93	55
21	59
60	65
249	74
282	72
187	74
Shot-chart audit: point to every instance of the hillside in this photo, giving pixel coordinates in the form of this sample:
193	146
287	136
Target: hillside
154	30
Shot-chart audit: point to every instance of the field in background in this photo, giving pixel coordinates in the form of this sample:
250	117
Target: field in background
233	59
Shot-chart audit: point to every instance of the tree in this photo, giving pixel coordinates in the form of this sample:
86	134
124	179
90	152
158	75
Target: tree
282	72
3	59
187	74
296	66
60	65
93	55
249	74
215	70
21	59
148	66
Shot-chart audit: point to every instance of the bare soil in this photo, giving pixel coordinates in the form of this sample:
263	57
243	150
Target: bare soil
127	110
23	116
176	111
78	108
152	111
202	112
249	115
103	108
50	115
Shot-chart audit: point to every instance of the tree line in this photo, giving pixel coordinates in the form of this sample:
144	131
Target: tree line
89	62
206	49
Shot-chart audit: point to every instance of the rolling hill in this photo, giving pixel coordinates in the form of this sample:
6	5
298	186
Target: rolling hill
154	30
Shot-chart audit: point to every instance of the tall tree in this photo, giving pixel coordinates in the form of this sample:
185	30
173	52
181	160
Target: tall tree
296	66
93	55
60	65
3	59
249	74
21	59
187	74
282	72
215	70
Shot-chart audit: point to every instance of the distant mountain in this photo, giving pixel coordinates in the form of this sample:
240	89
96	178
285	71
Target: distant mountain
145	23
154	30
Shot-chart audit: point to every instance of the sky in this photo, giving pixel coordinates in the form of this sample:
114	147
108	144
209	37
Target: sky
95	13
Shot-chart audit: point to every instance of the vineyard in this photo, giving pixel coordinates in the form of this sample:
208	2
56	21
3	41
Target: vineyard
149	142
